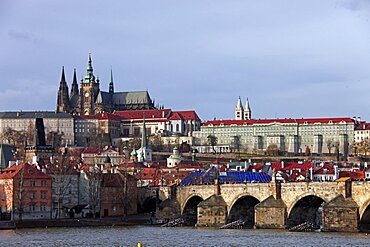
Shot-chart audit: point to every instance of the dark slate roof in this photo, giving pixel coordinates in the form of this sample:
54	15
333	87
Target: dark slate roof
103	98
6	155
139	97
73	101
33	114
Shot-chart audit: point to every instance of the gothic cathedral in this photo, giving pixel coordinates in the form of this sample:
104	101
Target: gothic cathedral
89	99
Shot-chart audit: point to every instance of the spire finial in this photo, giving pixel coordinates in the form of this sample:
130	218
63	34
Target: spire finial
111	86
63	78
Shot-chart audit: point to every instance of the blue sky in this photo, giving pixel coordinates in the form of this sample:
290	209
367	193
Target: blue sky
290	58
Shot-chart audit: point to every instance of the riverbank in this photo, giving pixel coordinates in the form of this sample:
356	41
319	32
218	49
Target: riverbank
83	222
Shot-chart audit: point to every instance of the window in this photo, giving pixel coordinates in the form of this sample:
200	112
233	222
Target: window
43	194
33	183
42	207
32	195
44	183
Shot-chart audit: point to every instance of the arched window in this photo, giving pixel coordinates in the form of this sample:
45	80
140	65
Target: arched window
177	128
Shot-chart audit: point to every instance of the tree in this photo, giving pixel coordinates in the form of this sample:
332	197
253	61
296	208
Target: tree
64	178
308	151
94	184
329	144
55	139
272	150
212	141
134	143
156	143
236	143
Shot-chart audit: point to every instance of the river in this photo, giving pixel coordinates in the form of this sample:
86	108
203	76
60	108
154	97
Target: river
182	236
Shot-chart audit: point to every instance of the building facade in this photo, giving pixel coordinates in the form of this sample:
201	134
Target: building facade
294	136
28	192
88	99
54	123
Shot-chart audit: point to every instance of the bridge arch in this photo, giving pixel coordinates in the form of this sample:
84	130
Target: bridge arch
364	207
243	208
189	210
364	223
306	208
298	198
149	205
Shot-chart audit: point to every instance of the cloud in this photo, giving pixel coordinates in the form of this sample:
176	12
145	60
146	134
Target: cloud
19	35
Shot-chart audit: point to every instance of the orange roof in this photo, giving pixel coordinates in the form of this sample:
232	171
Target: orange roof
29	172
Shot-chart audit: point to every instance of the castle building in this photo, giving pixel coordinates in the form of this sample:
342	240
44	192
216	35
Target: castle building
293	136
90	100
242	113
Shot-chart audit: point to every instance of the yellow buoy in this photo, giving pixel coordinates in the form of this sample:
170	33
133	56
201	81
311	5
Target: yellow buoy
139	245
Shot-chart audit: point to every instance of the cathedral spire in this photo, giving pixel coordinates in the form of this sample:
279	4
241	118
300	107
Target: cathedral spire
63	98
111	86
74	89
89	71
63	77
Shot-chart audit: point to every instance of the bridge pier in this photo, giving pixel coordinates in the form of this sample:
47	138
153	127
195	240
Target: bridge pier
271	212
341	213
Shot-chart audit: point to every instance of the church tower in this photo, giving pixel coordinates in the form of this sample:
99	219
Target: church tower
239	110
63	98
89	89
74	89
111	86
247	111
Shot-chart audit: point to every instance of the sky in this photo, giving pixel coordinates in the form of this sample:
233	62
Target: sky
291	59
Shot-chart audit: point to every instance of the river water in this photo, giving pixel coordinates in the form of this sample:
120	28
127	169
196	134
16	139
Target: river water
158	236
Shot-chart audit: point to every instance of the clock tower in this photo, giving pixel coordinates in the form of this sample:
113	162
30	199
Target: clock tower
89	89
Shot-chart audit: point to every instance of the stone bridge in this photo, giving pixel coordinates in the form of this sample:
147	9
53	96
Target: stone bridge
336	206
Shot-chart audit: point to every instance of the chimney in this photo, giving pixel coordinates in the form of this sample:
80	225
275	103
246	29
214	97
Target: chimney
217	187
348	189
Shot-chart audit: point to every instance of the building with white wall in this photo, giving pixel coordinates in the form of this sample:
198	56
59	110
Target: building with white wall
319	135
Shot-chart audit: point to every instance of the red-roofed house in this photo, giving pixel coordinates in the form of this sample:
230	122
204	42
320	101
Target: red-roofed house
362	132
161	121
355	175
328	172
27	192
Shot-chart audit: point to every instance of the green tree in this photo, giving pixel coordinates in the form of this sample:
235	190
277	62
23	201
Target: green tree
212	141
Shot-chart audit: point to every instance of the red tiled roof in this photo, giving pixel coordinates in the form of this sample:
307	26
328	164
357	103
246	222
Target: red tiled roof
296	166
277	166
176	116
141	114
285	121
100	116
189	115
354	175
28	172
363	126
326	169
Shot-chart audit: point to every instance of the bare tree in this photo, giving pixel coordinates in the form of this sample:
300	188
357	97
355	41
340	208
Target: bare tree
272	150
94	187
64	178
329	144
20	195
156	143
